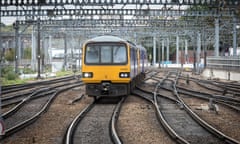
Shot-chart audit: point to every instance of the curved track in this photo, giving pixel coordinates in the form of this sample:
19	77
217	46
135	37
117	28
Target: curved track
204	91
19	87
96	123
174	104
15	98
31	107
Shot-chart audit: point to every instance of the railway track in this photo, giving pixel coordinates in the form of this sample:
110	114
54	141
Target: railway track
22	115
32	107
191	89
41	93
15	98
220	135
209	92
233	84
96	123
228	89
19	88
165	96
224	100
179	125
198	130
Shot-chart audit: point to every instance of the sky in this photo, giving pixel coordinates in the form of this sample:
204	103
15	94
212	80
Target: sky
8	20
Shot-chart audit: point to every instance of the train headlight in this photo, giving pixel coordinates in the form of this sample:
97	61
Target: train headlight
87	74
124	74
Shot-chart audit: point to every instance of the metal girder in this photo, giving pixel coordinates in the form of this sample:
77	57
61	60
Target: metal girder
76	23
130	34
114	12
142	27
139	32
146	27
114	2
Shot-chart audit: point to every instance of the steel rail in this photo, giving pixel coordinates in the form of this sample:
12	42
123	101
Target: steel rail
68	139
211	129
223	86
29	121
18	87
114	118
162	120
214	131
230	105
225	98
25	100
160	116
7	87
205	97
71	128
173	134
8	98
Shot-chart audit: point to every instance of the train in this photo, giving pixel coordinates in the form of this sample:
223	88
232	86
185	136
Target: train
112	66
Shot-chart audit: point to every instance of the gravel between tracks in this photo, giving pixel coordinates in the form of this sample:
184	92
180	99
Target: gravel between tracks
50	128
227	120
138	123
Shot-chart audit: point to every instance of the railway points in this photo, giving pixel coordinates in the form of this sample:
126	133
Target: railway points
132	108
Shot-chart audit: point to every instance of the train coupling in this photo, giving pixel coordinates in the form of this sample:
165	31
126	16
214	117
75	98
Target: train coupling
105	87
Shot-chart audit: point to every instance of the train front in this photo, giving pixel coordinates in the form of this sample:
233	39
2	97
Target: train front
106	67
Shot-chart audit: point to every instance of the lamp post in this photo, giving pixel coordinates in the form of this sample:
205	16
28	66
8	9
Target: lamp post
38	50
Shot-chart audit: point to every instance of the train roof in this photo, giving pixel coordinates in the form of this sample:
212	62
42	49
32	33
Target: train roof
109	38
106	39
141	47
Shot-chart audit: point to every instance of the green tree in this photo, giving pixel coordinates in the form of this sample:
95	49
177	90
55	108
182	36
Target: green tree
9	55
27	54
6	28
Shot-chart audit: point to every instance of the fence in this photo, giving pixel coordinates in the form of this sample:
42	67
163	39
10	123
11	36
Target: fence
224	62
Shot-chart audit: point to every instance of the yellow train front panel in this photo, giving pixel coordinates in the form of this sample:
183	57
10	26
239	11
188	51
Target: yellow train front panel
106	80
113	74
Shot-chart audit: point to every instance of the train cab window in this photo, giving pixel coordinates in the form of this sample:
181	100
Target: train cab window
119	54
92	54
106	53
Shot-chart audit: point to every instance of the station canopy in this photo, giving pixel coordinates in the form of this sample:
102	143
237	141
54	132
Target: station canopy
133	18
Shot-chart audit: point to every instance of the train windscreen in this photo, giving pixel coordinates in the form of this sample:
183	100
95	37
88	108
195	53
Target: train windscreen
106	53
